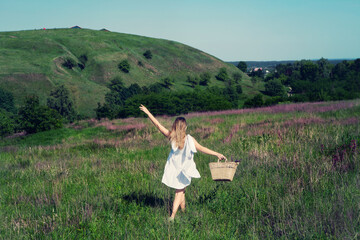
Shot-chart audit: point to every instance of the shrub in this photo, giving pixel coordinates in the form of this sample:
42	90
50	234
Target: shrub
274	88
193	81
83	59
256	101
36	118
237	77
7	101
69	63
239	89
204	79
124	66
7	123
148	54
167	82
60	101
222	75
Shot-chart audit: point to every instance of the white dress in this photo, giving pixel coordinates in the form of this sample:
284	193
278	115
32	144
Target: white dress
180	166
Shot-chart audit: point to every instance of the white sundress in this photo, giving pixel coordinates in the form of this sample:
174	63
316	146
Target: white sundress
180	166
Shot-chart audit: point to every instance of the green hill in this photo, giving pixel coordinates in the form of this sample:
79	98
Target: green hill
31	62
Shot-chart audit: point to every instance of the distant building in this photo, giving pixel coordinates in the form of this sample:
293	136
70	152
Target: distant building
75	27
104	30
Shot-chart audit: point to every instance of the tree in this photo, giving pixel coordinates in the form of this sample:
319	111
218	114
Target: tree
7	123
324	67
309	71
274	88
237	77
239	89
7	100
222	75
205	79
124	66
242	66
36	118
147	54
231	93
255	80
60	101
256	101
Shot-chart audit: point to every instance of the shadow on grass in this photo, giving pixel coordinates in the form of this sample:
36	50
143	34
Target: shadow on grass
146	199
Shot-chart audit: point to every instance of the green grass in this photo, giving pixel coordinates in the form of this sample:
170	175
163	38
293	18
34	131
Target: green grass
31	63
85	181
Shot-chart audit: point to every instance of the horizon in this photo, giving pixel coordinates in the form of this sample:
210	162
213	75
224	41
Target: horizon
230	30
230	61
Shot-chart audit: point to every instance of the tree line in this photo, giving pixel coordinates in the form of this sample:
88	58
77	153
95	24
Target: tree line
294	82
33	117
319	81
120	102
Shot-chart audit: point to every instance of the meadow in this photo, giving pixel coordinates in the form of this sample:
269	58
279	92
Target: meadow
298	178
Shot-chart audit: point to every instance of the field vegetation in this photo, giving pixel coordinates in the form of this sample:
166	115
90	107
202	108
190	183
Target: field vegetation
298	177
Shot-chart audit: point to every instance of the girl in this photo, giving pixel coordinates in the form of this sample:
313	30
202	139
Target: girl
180	166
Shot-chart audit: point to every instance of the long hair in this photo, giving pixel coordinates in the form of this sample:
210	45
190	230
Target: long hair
178	132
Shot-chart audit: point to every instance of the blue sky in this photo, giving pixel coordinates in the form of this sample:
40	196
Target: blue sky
228	29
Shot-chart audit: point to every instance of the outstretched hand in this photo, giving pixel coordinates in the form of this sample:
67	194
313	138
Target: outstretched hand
144	109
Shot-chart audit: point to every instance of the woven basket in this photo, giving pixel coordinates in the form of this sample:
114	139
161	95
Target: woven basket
223	171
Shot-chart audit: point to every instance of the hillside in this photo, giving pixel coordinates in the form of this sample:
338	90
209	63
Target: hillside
31	62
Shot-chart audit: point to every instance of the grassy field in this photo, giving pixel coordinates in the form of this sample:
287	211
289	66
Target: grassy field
31	63
298	178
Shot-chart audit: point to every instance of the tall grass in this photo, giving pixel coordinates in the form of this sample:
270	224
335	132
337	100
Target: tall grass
298	178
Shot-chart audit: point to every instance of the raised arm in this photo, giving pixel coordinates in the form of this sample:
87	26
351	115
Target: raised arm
161	128
208	151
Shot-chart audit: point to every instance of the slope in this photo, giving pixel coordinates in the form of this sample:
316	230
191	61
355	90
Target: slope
31	62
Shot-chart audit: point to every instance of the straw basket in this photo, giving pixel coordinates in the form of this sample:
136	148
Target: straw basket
223	171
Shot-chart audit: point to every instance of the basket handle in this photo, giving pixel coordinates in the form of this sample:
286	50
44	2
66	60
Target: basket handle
224	159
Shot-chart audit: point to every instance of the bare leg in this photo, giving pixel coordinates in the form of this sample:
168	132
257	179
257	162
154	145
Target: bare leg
178	200
182	204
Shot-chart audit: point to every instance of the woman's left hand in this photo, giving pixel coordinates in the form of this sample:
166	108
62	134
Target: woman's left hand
220	157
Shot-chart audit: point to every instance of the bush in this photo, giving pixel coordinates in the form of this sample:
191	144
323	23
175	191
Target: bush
256	101
35	118
222	75
107	111
7	123
60	101
275	88
167	82
6	101
124	66
83	59
239	89
193	81
148	54
204	79
237	77
69	63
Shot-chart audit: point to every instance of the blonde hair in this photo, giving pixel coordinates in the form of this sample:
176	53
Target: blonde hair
178	132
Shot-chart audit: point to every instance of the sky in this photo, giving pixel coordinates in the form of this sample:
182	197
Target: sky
231	30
